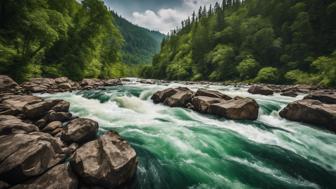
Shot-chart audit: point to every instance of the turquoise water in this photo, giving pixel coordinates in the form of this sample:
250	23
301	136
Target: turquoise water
179	148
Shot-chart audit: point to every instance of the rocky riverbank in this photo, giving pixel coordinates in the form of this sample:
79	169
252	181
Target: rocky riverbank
43	146
317	108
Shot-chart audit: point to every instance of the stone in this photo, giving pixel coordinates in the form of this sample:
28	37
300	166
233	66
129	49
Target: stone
38	110
11	125
236	109
202	103
4	185
13	104
59	177
108	161
57	116
179	99
311	112
27	155
61	106
161	96
324	97
52	126
263	90
289	93
80	130
8	84
211	93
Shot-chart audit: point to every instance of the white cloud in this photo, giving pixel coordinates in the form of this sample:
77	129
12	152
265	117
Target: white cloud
167	19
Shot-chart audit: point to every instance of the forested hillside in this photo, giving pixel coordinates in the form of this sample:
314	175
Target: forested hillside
141	44
77	39
268	41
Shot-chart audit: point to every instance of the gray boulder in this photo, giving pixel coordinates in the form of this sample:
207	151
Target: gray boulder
324	97
80	130
13	104
202	103
11	125
160	96
211	93
7	84
237	109
38	110
27	155
59	177
311	112
108	161
263	90
179	99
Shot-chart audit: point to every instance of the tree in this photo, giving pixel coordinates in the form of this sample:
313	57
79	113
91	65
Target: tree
248	68
268	75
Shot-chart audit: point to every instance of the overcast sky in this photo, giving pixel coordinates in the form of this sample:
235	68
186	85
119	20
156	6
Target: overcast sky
161	15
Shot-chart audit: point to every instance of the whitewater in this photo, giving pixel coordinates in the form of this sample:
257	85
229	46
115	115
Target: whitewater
179	148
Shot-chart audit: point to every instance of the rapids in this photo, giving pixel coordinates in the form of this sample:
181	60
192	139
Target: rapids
178	148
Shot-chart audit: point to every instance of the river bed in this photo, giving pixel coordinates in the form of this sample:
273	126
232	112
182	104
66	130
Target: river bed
179	148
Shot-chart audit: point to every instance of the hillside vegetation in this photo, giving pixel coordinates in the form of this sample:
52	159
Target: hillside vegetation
77	39
268	41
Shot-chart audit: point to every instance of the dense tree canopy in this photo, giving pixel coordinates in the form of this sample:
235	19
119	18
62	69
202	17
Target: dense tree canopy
255	40
78	39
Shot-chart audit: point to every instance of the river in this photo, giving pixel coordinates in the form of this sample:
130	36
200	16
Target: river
179	148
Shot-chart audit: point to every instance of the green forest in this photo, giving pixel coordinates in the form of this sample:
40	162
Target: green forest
266	41
53	38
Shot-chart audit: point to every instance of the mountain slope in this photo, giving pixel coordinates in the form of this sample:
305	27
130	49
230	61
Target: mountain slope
255	40
140	43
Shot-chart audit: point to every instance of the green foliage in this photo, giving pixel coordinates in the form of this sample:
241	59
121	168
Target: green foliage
248	68
284	35
60	38
326	67
268	75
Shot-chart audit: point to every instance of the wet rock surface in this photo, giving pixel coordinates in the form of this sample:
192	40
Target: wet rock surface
38	137
210	102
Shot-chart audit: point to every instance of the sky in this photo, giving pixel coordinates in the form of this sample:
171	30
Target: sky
160	15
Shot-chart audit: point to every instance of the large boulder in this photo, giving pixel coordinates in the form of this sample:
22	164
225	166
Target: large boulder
27	155
38	85
80	130
324	97
202	103
38	110
263	90
289	93
312	112
10	125
13	104
211	93
7	84
179	99
161	96
108	161
237	109
59	177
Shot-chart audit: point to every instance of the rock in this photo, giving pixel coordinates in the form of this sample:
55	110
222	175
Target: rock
160	96
38	110
202	103
11	125
13	104
71	149
59	177
179	99
7	84
289	93
61	106
80	130
4	185
108	161
324	97
57	116
40	85
147	81
237	109
27	155
211	93
52	126
263	90
112	82
311	112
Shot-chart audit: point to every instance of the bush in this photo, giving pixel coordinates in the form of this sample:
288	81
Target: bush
248	68
268	75
326	67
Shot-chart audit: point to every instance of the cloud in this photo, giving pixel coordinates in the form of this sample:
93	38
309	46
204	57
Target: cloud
166	19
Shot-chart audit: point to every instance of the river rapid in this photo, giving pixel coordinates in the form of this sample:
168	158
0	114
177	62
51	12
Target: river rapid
178	148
